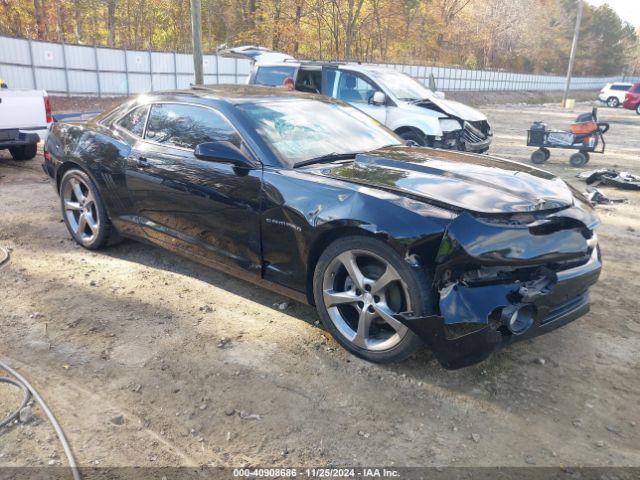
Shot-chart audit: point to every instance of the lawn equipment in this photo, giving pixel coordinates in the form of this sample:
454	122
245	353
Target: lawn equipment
584	135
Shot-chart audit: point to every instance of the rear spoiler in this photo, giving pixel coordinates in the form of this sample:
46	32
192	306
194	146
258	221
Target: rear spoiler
74	116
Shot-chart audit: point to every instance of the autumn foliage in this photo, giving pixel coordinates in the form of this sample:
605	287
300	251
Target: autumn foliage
518	35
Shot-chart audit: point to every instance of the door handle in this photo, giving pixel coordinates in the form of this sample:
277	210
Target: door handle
142	162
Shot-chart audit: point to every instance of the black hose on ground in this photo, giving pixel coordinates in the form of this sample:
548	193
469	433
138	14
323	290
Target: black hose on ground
52	419
28	390
26	396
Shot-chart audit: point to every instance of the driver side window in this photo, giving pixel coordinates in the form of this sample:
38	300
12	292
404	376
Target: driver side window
354	89
187	126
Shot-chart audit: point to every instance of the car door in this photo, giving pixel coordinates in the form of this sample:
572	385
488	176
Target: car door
206	209
353	88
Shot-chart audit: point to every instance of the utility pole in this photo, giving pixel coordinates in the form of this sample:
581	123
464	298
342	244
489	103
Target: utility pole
196	30
572	56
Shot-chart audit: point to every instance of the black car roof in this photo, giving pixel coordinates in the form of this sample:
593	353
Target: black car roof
235	94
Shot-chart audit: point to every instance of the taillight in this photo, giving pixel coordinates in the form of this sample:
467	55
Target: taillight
47	109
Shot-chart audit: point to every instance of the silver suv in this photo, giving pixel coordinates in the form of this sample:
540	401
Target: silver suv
393	98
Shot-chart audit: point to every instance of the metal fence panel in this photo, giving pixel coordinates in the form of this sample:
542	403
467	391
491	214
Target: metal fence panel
87	70
162	62
83	82
51	80
113	84
163	81
184	63
138	61
14	50
111	60
83	58
47	54
17	75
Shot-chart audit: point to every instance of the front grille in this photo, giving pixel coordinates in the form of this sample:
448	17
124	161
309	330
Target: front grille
476	132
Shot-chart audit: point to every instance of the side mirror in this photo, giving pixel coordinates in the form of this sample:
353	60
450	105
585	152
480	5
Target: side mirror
379	98
223	152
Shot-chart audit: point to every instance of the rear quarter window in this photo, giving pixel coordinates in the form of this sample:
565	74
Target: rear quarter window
133	121
273	76
622	88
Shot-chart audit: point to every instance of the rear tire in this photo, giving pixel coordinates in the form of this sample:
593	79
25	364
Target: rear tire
613	102
24	152
361	315
83	211
578	159
638	109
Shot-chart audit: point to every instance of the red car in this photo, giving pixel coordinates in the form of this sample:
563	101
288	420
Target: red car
632	99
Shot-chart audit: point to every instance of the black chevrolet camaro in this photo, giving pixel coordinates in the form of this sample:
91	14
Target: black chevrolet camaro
396	246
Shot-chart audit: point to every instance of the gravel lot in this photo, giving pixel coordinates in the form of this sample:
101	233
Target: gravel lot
149	359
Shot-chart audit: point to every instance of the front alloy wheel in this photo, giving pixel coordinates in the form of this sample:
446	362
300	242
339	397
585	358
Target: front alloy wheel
362	292
360	284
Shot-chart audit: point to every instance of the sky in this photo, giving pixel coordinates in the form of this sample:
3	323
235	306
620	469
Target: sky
628	10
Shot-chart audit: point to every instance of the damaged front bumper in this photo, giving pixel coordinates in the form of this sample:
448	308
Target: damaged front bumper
467	139
478	316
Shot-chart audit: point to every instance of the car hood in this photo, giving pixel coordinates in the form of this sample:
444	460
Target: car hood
451	107
478	183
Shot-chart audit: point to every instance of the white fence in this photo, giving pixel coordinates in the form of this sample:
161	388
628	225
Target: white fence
82	70
95	71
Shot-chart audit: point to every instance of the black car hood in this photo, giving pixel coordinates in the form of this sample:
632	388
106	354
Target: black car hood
478	183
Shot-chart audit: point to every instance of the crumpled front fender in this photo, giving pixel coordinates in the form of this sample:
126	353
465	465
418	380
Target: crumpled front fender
486	273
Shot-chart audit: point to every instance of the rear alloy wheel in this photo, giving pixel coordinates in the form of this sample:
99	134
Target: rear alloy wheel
613	102
360	283
83	210
24	152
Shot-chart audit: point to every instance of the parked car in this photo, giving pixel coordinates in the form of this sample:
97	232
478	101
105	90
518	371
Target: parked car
632	98
613	93
25	117
394	245
393	98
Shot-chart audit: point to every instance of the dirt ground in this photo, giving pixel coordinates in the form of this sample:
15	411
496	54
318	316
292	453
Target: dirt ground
148	359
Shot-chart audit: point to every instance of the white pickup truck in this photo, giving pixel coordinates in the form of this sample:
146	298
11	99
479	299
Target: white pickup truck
25	118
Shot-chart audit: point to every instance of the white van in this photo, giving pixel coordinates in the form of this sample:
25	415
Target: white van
393	98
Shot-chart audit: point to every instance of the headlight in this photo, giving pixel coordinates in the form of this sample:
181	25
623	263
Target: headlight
449	124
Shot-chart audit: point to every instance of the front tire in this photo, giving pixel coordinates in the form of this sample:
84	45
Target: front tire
613	102
358	285
83	210
416	136
638	109
24	152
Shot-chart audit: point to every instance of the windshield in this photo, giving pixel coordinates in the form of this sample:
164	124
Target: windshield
299	129
402	86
